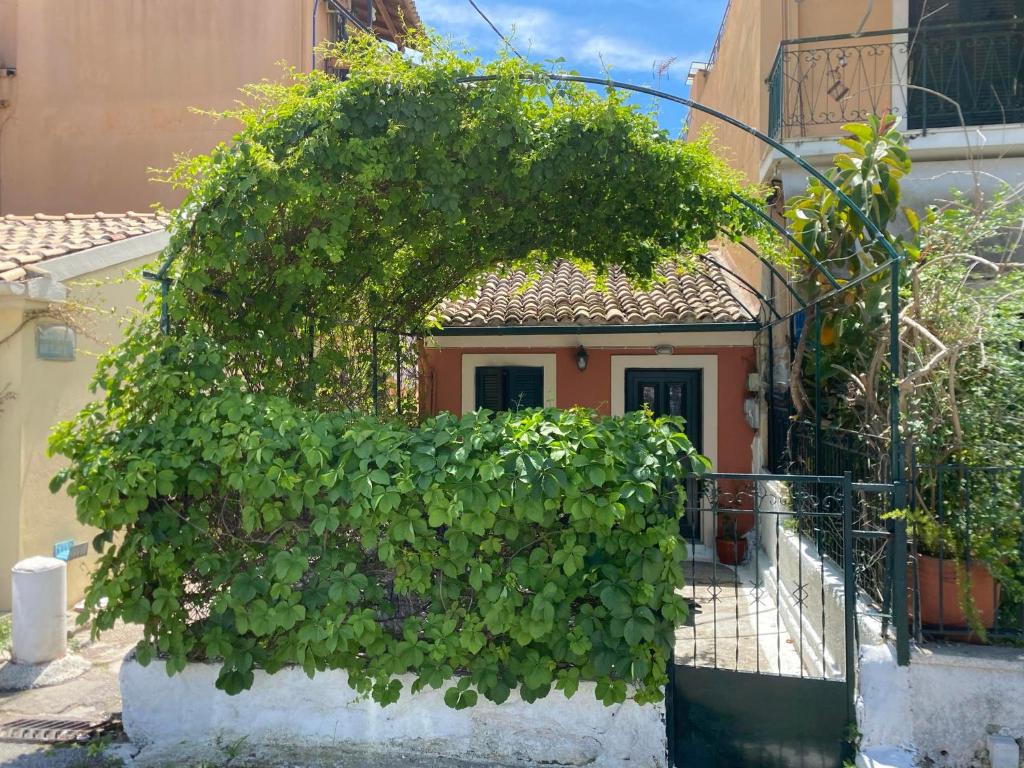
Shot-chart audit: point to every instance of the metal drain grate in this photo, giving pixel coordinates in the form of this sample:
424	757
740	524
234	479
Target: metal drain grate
56	730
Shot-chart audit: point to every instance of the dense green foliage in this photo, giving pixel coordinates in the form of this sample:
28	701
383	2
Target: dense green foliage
961	388
250	515
968	293
524	549
853	342
350	204
964	390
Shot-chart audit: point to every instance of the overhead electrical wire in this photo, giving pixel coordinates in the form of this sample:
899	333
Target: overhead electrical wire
497	31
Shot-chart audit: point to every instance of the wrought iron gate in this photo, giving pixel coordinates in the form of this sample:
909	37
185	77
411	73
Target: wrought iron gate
763	671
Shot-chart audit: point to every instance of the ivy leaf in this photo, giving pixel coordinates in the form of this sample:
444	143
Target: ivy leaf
617	600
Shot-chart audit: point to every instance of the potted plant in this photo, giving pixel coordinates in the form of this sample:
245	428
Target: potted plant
730	546
955	588
967	548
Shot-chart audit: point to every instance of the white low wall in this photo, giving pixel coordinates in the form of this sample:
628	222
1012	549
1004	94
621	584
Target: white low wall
945	704
290	709
790	565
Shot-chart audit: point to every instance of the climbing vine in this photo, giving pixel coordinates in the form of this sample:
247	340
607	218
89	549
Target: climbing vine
485	554
350	204
251	516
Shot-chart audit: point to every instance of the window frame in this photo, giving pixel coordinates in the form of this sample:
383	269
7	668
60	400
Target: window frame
472	360
505	373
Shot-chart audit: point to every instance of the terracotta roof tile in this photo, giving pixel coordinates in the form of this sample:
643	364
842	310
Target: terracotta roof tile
27	240
566	296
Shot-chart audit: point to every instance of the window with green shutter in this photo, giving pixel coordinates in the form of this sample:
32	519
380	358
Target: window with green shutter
509	387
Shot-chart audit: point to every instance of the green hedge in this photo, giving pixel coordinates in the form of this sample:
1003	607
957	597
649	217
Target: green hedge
521	550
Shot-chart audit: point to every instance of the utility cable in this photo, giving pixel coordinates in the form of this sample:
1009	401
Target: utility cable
497	31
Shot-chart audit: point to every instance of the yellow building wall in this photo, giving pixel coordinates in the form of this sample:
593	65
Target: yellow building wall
10	446
736	83
31	518
103	91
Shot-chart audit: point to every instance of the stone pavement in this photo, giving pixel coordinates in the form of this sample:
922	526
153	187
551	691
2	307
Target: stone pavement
93	695
734	624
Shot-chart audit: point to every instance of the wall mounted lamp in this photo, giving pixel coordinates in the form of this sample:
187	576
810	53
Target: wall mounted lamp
582	358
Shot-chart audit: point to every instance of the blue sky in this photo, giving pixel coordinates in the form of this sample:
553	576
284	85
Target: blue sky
628	36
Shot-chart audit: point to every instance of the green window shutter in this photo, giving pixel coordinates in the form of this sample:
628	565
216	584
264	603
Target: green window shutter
489	388
525	387
509	387
980	68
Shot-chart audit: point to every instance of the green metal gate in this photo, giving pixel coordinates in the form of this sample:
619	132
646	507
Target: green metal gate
763	671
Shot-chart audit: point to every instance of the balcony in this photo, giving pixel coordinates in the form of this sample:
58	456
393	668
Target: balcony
934	77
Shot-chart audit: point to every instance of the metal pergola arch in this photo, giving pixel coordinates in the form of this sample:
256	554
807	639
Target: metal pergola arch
898	487
895	257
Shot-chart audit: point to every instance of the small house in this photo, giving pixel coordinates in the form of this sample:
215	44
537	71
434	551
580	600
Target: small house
684	345
66	286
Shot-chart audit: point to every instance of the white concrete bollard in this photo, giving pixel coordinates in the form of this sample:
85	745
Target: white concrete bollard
39	587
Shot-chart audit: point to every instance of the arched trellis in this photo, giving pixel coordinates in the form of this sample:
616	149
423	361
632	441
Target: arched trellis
774	317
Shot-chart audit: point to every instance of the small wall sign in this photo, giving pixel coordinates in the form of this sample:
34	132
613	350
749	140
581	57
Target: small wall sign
55	342
68	550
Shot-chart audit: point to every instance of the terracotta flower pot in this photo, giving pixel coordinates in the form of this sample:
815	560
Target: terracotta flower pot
731	551
945	608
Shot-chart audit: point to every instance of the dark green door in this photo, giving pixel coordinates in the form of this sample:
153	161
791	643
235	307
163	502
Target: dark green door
671	392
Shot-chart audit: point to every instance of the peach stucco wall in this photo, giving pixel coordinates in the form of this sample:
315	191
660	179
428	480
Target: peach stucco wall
103	90
442	387
736	82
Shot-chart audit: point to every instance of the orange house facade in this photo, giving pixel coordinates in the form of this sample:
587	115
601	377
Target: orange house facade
684	346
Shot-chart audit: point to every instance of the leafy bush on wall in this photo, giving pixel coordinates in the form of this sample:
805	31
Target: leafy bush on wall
520	550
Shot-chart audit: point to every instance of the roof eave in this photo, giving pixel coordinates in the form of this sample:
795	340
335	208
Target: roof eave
537	330
50	288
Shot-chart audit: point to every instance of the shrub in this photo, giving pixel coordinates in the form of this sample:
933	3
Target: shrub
507	550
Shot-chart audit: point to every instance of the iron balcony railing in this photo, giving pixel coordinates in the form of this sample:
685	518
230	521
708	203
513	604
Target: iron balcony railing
932	76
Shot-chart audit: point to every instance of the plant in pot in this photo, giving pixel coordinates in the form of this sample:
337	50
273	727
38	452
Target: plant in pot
730	545
967	547
961	385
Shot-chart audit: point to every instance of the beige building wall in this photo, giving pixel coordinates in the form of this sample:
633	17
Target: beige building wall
45	392
103	90
736	82
10	447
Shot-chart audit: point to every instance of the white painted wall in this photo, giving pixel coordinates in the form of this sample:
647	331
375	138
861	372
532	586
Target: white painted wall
941	708
977	158
290	709
945	705
933	180
788	562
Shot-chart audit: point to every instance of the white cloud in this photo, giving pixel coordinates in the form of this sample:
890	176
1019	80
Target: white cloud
619	53
541	34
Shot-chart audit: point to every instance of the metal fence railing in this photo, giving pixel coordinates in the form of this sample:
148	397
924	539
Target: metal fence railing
967	546
775	614
833	451
933	76
965	566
